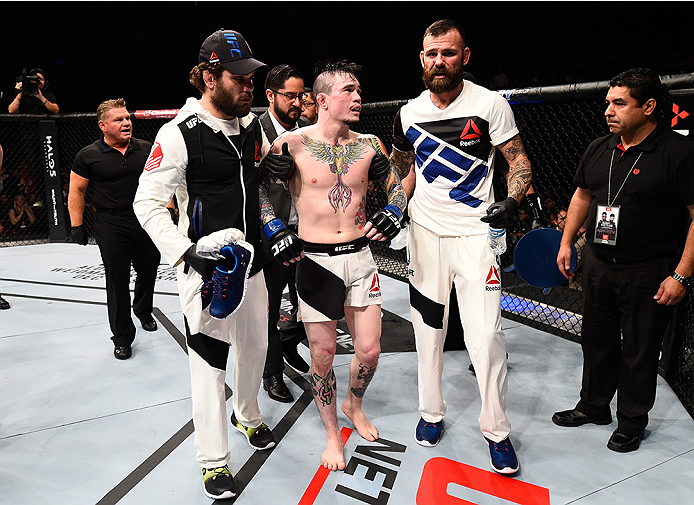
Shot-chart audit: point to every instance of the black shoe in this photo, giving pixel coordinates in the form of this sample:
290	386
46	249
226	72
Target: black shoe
4	304
218	483
277	389
623	443
294	359
122	352
148	324
575	417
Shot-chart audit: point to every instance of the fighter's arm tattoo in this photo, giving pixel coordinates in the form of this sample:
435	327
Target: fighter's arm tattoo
402	161
390	181
267	212
364	377
324	388
520	173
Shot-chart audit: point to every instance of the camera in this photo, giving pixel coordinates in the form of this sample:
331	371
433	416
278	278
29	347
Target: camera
30	83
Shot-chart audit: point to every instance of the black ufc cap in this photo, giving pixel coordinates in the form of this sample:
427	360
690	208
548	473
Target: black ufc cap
231	50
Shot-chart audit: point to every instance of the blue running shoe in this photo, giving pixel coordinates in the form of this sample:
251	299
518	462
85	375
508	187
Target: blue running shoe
428	434
230	279
503	457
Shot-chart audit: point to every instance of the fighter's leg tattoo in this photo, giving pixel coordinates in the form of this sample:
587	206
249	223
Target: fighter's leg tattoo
364	375
324	388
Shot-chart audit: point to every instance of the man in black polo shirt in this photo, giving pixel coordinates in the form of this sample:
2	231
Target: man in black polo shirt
110	168
644	173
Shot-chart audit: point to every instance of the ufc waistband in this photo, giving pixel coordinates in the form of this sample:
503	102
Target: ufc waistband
336	249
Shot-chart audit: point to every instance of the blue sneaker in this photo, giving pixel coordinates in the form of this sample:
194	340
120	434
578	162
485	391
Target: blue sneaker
503	457
229	280
428	434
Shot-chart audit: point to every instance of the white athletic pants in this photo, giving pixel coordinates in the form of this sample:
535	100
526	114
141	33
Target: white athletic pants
435	263
246	331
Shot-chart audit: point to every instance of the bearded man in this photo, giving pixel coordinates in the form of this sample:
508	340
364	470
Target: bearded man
209	157
452	130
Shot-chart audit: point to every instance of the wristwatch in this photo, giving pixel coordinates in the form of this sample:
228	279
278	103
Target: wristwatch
685	281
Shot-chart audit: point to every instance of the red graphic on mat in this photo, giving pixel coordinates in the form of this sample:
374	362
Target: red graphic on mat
440	475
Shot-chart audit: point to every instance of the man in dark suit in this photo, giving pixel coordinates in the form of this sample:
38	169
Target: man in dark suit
284	88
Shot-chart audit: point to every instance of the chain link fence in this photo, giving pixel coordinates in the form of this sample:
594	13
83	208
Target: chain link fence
556	124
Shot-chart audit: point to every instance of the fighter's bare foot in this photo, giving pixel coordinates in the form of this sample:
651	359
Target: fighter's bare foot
333	457
367	430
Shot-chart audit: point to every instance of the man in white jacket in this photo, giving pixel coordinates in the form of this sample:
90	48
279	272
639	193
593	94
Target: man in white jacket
209	156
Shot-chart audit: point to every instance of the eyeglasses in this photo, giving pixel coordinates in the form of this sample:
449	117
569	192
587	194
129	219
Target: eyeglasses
306	103
291	96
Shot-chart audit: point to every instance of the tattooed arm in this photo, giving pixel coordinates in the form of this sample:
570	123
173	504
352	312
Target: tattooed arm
383	172
386	223
519	174
285	246
403	162
501	214
391	184
267	212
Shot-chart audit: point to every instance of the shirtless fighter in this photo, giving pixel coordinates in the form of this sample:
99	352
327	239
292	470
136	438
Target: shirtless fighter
328	168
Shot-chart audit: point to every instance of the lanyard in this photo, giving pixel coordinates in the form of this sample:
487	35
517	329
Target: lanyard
609	180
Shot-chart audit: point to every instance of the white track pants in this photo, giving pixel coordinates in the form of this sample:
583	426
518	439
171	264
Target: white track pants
435	263
246	331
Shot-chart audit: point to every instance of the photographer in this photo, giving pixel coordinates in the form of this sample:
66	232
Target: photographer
32	97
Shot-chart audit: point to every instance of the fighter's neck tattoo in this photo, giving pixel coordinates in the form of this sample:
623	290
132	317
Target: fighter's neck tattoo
339	158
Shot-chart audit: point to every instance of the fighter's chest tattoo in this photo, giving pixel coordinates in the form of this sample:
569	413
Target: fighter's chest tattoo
339	158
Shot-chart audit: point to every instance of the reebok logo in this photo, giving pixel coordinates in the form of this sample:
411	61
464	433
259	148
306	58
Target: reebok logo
471	131
155	158
375	289
493	282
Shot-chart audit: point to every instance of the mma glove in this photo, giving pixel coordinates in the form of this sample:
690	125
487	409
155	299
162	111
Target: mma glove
280	165
532	206
284	243
380	165
501	214
79	235
388	221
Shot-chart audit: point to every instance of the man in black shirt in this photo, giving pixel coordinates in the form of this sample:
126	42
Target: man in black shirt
110	168
284	89
644	173
41	102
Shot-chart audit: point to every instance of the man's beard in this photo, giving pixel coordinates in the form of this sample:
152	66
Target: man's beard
286	118
448	83
227	104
